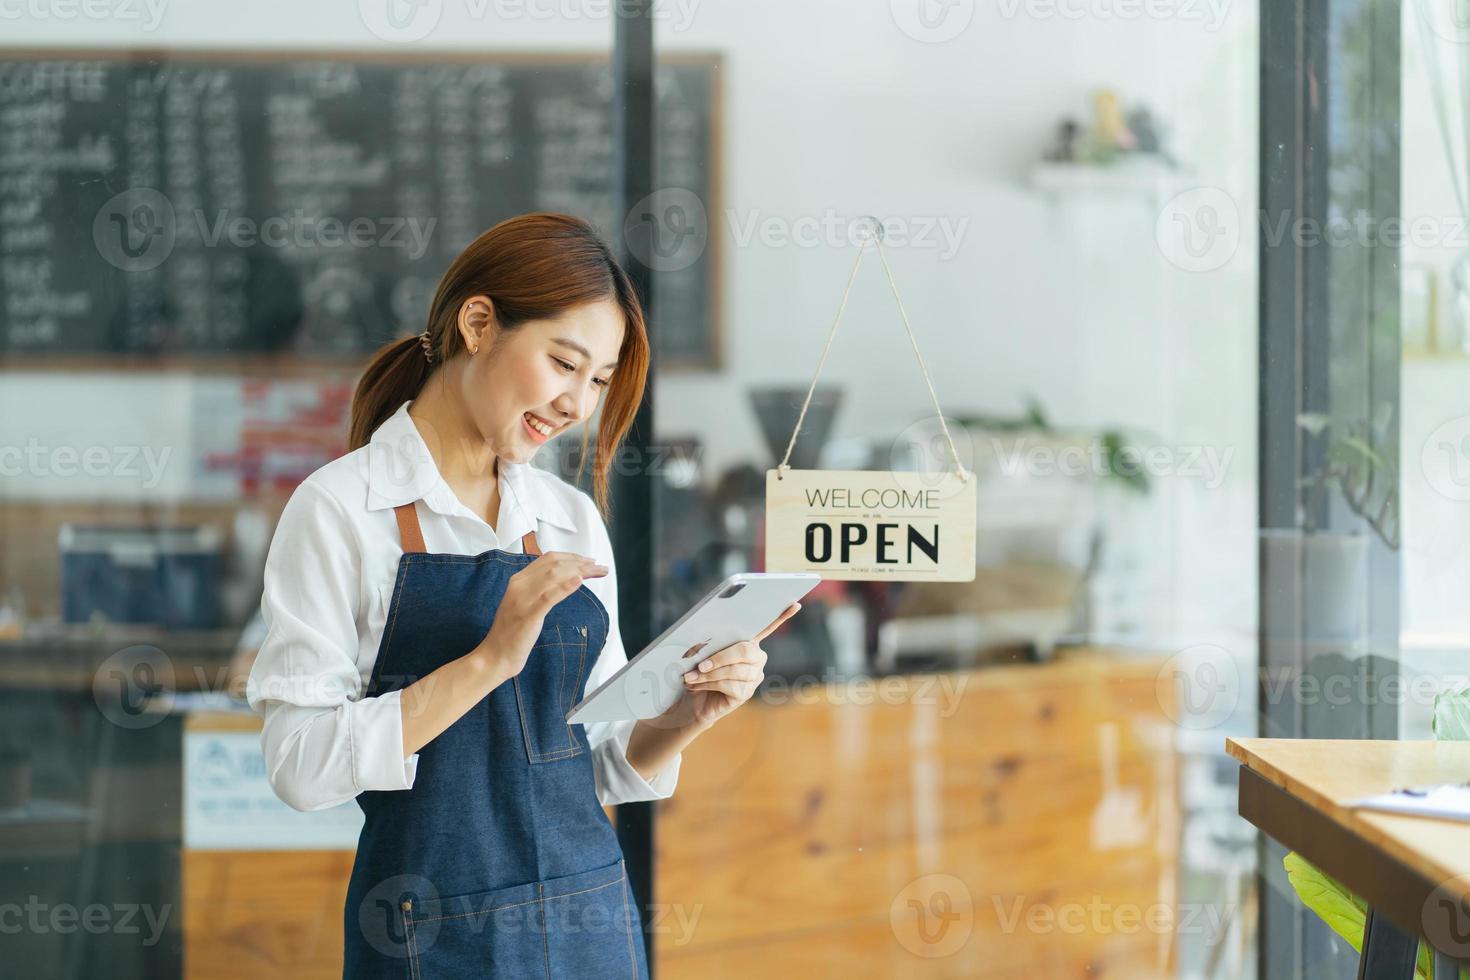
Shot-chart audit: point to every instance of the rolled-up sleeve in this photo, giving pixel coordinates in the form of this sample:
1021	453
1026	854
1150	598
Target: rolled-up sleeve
617	781
323	742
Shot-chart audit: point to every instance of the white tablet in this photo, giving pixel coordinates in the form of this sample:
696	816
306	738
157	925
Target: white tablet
652	682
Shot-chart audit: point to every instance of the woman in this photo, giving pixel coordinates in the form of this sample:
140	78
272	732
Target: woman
422	650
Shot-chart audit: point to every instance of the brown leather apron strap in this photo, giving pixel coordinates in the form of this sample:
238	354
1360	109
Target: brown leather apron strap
409	531
412	535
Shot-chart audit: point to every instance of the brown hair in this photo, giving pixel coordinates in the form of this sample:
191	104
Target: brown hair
533	267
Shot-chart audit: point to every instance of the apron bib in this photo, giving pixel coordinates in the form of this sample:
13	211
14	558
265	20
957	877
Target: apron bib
499	862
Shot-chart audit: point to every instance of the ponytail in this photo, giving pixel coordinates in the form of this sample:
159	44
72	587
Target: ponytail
395	375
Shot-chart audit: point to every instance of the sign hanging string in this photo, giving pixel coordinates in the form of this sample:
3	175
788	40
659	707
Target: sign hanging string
875	239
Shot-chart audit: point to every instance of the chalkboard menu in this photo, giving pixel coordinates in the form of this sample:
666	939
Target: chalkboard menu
250	203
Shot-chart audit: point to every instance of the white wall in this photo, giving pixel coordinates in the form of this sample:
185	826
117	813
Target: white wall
831	107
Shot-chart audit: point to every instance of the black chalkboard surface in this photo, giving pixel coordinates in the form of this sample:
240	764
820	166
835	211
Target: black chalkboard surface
239	202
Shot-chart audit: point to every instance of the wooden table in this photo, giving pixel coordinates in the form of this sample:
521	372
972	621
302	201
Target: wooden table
1414	872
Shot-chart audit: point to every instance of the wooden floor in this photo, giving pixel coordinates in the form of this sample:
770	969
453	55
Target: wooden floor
1021	822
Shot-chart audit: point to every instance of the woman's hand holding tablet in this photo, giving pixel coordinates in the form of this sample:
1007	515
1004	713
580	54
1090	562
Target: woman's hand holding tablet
724	629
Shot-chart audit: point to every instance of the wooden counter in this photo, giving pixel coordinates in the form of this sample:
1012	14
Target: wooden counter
801	832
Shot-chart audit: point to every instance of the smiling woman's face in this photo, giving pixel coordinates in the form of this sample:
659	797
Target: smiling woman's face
541	378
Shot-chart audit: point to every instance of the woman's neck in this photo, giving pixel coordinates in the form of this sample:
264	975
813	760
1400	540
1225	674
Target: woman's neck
466	462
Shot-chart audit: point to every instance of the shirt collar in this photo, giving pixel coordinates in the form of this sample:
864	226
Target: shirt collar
402	470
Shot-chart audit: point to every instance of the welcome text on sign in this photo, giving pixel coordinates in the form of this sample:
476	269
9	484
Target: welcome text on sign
880	525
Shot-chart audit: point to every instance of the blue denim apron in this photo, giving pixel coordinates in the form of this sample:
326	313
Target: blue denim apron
499	862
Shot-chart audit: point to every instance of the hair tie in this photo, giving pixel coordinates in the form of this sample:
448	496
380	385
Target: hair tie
427	346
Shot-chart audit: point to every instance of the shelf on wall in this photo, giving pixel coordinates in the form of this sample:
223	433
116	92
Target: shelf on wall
1149	177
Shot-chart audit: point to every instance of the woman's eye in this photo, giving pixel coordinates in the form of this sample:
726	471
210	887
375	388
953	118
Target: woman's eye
600	382
564	364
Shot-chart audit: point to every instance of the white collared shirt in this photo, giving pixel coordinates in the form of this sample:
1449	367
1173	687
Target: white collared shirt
329	577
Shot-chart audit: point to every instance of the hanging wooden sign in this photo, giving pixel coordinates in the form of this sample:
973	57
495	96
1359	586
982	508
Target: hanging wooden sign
860	524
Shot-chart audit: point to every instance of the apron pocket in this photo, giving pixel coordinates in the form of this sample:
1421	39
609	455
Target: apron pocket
592	926
497	933
546	689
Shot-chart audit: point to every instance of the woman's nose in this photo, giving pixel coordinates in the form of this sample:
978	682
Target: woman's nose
572	408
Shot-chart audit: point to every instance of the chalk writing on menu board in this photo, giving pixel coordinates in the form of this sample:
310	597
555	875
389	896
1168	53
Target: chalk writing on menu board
227	204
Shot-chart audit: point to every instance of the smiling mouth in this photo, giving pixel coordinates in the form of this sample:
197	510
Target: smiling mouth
539	426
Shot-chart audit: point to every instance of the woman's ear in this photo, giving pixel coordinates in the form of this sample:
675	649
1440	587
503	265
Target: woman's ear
477	322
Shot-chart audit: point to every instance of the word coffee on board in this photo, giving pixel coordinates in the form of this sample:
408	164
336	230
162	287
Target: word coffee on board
861	524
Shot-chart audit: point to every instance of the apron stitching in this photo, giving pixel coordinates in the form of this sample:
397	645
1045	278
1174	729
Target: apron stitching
413	954
561	669
581	662
397	605
525	729
545	941
632	956
516	905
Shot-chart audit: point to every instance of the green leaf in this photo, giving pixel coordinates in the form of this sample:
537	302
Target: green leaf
1343	911
1452	716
